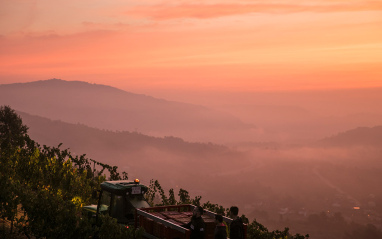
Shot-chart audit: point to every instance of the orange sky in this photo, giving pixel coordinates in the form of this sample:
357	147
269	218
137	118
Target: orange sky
236	45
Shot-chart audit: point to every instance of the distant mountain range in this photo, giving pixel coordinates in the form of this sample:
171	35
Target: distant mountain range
280	117
361	136
83	139
108	108
144	156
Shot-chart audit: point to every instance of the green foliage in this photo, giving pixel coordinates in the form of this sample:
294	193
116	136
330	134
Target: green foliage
110	229
43	188
171	198
12	131
216	208
184	197
49	216
12	137
156	191
152	191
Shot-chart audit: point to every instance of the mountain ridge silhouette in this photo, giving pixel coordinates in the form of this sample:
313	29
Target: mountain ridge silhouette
109	108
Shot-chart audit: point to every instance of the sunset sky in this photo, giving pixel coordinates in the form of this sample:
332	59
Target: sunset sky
231	45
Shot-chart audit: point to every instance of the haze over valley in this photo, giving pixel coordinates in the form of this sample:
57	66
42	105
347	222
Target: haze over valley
282	157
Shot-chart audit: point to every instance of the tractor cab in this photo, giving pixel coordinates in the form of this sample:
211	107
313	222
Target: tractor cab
119	199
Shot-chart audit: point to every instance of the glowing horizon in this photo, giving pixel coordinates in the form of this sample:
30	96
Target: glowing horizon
223	45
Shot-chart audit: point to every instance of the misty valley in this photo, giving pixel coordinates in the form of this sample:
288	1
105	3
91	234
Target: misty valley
325	186
278	185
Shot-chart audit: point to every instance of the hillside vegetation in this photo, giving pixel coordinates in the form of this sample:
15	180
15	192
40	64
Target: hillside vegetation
49	186
263	179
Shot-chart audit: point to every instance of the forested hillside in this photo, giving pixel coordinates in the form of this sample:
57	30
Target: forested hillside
82	137
361	136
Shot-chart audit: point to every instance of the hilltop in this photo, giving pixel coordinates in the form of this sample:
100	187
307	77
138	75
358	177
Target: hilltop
109	108
361	136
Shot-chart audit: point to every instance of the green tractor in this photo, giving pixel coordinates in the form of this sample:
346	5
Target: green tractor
119	199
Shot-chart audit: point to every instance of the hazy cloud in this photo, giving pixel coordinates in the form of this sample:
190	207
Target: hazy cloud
204	11
112	26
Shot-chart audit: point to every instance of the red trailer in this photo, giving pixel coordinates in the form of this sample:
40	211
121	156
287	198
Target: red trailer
169	222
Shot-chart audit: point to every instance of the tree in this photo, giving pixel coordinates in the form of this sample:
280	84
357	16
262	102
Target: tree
13	135
12	132
47	183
